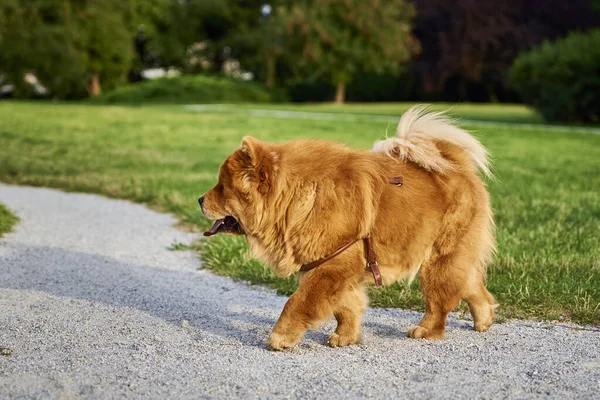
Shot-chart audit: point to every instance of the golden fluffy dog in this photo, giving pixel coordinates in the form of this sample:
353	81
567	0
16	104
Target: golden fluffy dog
299	203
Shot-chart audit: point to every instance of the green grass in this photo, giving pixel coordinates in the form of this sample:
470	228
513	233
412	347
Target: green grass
7	220
469	111
546	197
189	89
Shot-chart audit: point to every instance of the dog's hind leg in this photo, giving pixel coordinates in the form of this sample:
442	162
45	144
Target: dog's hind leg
481	303
445	282
348	314
441	284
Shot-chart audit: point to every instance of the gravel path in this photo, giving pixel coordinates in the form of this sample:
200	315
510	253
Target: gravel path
93	305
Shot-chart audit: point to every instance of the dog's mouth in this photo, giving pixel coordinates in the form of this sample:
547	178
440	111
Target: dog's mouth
228	225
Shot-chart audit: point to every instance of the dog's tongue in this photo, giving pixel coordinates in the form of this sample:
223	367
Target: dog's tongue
215	227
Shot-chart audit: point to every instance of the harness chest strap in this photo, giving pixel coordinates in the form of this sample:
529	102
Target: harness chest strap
372	264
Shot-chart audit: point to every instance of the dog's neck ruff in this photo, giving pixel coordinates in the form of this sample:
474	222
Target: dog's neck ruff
372	264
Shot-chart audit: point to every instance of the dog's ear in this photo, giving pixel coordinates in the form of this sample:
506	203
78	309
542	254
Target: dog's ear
258	164
251	149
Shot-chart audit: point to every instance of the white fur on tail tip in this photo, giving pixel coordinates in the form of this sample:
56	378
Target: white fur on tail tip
417	132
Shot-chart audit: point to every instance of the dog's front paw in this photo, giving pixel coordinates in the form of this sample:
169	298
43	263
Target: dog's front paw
482	327
279	342
336	340
419	332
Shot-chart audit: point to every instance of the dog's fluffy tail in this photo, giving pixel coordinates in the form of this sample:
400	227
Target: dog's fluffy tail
417	134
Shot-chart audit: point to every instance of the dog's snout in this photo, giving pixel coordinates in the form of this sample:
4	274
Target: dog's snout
201	201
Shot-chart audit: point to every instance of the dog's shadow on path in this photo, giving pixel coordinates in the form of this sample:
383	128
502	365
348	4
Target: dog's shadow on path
209	304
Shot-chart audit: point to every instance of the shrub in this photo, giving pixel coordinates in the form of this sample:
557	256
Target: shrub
562	78
190	89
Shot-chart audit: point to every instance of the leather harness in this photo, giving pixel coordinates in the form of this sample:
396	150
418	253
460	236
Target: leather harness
372	264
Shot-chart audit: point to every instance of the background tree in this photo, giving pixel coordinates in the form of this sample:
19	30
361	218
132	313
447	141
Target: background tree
355	48
338	38
237	29
154	41
7	7
105	31
71	46
208	21
39	39
473	42
258	40
12	25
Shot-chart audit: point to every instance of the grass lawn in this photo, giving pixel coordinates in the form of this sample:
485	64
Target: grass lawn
546	197
7	220
469	111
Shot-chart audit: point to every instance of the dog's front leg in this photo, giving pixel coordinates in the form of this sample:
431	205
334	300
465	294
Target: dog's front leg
314	301
291	325
349	313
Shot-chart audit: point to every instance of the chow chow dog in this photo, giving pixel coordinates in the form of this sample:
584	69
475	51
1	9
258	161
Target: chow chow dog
342	218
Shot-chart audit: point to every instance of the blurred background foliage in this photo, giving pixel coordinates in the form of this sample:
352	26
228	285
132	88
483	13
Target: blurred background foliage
355	50
562	79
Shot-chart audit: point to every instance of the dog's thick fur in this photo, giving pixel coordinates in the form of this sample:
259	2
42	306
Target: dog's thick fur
299	201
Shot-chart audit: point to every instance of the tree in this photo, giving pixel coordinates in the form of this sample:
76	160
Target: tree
11	21
105	32
229	29
71	46
38	39
7	8
156	41
338	38
208	21
257	40
476	41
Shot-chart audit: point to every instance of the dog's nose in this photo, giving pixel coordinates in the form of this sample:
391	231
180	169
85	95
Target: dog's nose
201	201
